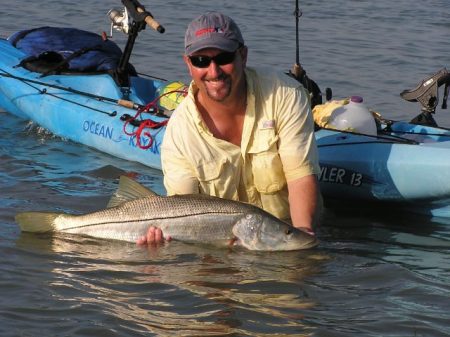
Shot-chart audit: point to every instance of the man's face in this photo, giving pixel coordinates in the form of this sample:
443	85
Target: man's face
217	82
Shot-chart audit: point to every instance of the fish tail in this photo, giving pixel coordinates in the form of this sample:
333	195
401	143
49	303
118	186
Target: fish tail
37	222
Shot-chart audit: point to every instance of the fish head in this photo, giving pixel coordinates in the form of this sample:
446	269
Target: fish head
264	232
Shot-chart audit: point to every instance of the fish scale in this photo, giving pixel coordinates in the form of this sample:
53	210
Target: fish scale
183	217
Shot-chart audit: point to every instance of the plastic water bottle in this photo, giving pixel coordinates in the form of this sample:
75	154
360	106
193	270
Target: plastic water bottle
354	116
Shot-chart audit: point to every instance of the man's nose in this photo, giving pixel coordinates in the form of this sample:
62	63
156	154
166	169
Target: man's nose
213	69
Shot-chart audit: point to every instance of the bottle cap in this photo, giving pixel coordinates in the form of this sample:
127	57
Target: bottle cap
356	99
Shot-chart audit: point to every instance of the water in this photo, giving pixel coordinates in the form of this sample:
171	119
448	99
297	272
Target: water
374	274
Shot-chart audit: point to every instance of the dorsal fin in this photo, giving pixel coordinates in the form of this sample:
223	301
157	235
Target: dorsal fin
129	190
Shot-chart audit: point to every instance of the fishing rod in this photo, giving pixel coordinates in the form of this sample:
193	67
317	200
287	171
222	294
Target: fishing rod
120	102
131	21
299	73
297	69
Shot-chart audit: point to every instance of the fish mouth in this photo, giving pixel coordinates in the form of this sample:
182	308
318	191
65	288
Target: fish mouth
236	242
292	246
311	244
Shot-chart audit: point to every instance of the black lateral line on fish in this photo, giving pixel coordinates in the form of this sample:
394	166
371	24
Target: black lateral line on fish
144	220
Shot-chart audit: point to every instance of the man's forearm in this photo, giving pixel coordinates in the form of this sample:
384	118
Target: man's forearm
304	202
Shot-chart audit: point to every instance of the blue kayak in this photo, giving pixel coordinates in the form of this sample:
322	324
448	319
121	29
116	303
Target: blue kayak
402	164
85	108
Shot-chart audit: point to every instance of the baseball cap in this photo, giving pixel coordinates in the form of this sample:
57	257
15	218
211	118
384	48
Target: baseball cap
212	30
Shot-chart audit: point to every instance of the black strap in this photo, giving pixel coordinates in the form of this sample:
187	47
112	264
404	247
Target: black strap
444	100
64	63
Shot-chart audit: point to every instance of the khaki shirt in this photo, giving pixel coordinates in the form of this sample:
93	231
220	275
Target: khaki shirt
277	146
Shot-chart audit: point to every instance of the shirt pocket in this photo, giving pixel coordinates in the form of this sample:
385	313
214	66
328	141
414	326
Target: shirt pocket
267	168
211	177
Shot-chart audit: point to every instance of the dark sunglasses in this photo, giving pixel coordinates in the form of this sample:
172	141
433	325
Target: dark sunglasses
201	61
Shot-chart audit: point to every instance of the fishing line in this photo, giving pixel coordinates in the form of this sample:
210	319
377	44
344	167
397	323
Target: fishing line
110	114
152	76
120	102
389	138
367	142
45	92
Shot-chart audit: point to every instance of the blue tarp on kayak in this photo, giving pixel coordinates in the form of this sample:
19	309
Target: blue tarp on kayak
95	53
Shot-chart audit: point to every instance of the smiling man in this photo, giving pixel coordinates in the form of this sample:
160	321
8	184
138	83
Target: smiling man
241	133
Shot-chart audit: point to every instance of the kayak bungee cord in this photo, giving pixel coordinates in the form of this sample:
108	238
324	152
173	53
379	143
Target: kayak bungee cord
120	102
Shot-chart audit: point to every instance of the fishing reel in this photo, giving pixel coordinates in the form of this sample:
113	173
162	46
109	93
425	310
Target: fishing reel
131	20
120	20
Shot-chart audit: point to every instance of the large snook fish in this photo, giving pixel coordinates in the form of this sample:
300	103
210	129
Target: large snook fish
189	218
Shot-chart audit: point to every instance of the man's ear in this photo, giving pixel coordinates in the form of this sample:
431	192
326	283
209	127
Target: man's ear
188	63
244	52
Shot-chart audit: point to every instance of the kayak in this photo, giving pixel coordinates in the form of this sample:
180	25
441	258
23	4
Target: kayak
84	108
402	164
410	173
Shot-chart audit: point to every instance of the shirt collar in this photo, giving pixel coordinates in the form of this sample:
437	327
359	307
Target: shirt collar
249	115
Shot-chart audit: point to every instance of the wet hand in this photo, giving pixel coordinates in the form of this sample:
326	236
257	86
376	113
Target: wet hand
154	236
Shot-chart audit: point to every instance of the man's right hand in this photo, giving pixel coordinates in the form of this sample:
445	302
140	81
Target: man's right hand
154	236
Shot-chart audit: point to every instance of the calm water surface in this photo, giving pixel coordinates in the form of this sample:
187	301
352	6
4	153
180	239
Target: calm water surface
374	274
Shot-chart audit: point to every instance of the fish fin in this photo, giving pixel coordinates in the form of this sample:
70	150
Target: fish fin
129	190
37	222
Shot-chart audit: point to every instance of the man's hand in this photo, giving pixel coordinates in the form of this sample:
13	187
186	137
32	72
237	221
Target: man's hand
154	236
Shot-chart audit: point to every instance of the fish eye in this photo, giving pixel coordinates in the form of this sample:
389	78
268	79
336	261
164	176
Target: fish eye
288	231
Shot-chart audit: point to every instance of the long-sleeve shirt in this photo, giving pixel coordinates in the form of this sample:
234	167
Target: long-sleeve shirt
277	146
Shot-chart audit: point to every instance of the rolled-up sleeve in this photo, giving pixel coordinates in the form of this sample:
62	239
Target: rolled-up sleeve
297	144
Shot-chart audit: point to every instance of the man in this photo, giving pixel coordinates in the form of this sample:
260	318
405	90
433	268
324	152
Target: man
240	134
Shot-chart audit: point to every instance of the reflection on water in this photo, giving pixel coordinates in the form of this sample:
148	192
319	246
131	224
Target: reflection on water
179	289
416	242
175	289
